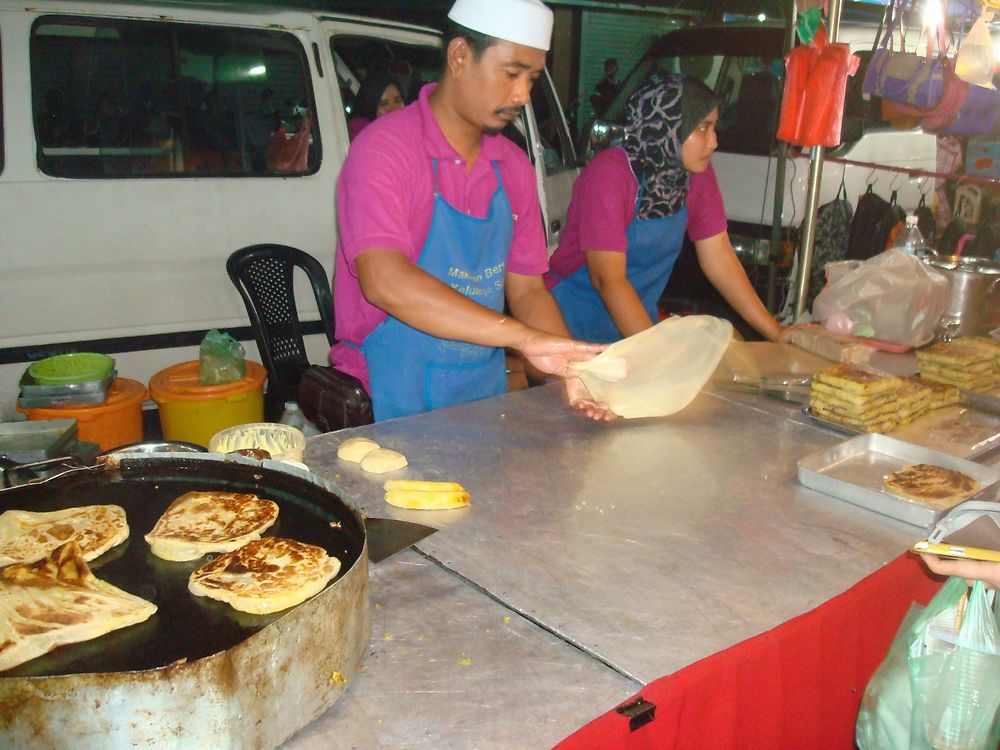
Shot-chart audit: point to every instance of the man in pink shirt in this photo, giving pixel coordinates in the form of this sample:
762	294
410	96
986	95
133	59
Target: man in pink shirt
440	226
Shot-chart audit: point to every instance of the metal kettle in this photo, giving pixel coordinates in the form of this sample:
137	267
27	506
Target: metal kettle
973	307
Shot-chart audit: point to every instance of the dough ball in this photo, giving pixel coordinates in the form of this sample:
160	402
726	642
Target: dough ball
382	460
356	448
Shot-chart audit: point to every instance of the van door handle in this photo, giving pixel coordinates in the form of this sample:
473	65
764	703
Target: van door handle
555	225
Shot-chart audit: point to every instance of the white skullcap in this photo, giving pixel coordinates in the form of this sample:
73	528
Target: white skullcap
526	22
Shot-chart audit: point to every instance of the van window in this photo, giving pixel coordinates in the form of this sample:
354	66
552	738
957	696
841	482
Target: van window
121	98
358	56
557	146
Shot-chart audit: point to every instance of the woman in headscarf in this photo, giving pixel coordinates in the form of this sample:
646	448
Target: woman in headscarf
379	95
631	207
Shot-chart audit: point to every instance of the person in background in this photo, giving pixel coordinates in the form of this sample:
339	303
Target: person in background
379	95
440	225
630	209
606	89
971	570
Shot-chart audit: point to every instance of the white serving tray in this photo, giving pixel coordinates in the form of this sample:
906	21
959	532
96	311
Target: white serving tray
855	469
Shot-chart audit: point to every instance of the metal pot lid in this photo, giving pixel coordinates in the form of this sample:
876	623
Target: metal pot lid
967	264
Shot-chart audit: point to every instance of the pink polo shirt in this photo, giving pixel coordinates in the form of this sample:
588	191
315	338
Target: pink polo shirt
385	199
603	206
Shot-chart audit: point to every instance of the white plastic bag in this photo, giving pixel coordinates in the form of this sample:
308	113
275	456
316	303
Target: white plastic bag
976	57
658	371
892	297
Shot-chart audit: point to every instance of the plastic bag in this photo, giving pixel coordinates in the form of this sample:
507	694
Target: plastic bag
658	371
939	687
221	359
976	57
892	297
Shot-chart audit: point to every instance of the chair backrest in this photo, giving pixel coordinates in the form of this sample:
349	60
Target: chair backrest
264	276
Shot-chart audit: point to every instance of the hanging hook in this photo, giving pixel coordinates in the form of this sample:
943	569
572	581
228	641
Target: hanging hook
870	180
893	186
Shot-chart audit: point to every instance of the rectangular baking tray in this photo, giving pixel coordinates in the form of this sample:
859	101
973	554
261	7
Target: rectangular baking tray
964	430
34	394
37	440
855	469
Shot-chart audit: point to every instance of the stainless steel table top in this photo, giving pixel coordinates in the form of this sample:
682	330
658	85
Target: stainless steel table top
646	543
451	668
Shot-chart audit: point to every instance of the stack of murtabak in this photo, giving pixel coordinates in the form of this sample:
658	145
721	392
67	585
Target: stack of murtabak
864	399
856	396
971	363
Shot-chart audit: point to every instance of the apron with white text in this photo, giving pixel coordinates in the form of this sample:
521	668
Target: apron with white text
413	372
652	247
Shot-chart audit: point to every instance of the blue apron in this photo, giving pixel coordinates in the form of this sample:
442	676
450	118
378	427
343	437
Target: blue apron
652	247
413	372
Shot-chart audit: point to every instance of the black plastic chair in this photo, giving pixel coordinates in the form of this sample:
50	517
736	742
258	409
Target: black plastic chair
263	274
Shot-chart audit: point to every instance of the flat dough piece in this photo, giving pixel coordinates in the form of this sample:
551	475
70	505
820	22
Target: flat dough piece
197	523
356	448
382	460
56	601
26	536
266	575
931	485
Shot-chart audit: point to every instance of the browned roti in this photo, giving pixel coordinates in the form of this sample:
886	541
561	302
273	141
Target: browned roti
200	522
266	575
931	484
57	600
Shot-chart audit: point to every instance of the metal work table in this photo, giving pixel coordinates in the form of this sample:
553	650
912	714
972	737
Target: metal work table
645	544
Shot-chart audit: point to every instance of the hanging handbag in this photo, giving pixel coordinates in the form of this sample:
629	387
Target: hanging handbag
941	117
333	400
901	76
978	114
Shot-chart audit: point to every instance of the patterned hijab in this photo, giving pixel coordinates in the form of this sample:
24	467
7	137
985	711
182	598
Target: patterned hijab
657	124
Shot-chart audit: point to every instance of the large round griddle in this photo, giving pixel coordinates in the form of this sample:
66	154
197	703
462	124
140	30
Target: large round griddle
185	626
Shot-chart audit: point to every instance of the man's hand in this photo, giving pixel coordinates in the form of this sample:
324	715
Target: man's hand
553	355
580	399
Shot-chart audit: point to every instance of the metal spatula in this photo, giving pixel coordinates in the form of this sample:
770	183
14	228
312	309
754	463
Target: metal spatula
387	536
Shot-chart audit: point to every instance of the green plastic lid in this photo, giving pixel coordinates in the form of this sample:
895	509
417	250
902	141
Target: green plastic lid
78	367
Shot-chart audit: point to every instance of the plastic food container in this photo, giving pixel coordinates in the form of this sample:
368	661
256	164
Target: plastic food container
115	422
282	441
78	367
192	412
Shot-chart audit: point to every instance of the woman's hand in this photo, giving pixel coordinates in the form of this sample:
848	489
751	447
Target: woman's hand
553	355
971	570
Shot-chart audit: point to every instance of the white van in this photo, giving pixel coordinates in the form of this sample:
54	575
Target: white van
743	63
142	143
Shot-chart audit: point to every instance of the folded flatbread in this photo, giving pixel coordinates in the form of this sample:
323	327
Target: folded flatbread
56	601
26	536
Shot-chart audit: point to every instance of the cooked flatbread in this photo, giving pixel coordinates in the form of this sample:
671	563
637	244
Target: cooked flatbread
879	424
953	354
267	575
860	413
57	600
969	383
197	523
857	378
941	394
849	397
26	536
983	343
931	485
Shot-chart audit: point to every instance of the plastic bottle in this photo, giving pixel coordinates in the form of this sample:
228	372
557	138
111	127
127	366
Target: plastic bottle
910	239
292	415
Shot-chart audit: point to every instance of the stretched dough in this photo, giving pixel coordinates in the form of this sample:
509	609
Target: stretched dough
382	460
356	448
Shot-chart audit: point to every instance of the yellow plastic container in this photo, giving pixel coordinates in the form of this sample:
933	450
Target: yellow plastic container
118	421
194	412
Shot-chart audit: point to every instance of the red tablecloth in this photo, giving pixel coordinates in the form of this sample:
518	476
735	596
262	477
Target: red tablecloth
797	686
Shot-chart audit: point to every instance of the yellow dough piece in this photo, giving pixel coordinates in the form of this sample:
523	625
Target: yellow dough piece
420	485
423	500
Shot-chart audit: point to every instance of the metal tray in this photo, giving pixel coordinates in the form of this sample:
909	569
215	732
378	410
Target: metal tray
963	430
854	471
24	442
34	394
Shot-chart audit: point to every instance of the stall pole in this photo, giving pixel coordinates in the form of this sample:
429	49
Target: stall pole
812	198
774	254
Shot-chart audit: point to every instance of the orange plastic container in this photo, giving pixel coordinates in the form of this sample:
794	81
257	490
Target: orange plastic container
194	412
118	421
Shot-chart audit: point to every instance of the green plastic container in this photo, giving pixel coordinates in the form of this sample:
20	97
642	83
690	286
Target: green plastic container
78	367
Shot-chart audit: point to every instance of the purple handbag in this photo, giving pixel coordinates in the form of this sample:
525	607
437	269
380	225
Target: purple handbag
900	76
979	113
